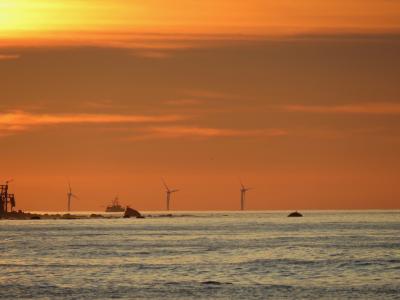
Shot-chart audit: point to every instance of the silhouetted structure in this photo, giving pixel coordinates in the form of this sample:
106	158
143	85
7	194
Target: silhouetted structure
115	206
70	195
7	200
168	192
243	191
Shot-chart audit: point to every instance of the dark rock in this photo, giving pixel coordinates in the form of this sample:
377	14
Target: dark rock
212	282
295	214
97	216
166	216
130	212
35	218
68	217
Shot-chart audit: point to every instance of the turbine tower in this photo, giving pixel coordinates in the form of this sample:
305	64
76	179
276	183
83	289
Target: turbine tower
70	195
243	191
168	192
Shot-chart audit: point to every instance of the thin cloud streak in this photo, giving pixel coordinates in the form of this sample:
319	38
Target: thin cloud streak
184	102
148	43
21	121
152	54
368	108
163	46
9	56
173	132
208	94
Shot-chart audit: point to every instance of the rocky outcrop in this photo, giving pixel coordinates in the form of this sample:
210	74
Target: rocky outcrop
19	215
295	214
132	213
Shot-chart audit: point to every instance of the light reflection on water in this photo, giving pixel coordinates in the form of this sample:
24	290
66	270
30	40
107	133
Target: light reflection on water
252	255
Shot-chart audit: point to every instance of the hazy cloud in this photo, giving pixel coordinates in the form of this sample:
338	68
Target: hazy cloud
153	54
368	108
9	56
184	102
209	94
167	132
21	121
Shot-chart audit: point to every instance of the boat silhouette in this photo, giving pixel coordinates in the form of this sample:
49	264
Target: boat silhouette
115	206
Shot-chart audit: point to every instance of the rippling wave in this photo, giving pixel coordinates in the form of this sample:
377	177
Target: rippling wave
253	255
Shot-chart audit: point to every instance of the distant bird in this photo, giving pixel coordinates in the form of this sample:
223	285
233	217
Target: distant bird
168	192
70	195
243	191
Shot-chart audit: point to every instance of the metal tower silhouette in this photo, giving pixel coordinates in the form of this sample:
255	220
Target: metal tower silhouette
70	195
168	192
243	191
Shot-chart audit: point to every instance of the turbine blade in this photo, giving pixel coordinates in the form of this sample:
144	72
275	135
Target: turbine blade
165	185
241	183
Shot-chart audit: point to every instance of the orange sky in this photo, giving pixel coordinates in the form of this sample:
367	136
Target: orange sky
127	23
299	99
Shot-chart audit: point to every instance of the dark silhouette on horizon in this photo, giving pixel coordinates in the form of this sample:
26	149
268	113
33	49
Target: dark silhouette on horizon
168	192
7	200
295	214
115	206
132	213
243	191
70	195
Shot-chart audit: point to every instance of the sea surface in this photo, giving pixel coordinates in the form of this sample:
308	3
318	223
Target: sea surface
199	255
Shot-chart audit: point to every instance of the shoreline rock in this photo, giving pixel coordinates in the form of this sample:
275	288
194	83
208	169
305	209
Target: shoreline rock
20	215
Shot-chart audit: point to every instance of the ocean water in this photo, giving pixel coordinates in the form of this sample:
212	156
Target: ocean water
224	255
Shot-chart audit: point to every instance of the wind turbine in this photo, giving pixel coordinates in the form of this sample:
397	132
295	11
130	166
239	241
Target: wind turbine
243	191
168	193
70	195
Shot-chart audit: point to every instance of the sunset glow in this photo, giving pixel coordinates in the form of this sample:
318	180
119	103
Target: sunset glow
137	23
300	99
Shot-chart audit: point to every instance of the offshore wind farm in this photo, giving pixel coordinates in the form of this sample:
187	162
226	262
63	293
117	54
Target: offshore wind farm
8	204
211	149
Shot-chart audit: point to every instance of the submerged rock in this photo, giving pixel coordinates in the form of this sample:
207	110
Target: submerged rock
13	215
213	282
295	214
68	217
96	216
132	213
166	216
